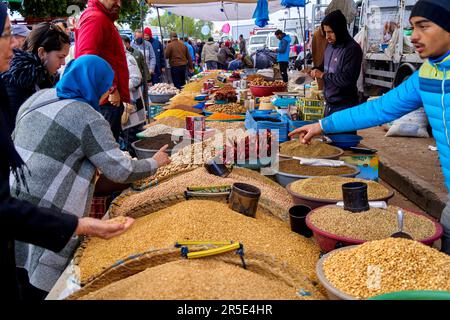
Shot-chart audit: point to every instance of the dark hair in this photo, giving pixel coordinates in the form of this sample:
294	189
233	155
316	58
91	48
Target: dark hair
241	36
186	39
125	38
64	22
338	23
46	35
278	32
210	39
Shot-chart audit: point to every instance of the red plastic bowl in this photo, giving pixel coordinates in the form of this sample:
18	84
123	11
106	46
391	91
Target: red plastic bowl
264	91
328	241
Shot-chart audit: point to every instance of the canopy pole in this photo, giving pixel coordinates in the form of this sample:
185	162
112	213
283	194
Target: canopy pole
182	26
142	4
160	29
304	35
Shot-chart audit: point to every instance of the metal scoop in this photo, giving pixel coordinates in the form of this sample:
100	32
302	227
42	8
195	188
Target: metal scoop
400	233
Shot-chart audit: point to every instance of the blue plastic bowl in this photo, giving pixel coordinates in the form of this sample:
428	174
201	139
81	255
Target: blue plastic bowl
345	140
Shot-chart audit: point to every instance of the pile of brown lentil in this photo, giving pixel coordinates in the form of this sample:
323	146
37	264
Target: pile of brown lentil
203	221
173	122
294	167
201	178
316	149
374	224
205	279
388	265
330	188
224	126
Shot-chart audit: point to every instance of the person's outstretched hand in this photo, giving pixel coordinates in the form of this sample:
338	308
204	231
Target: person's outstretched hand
306	133
161	157
102	228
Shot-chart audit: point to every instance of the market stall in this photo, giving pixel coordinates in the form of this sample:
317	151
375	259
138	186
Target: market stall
198	218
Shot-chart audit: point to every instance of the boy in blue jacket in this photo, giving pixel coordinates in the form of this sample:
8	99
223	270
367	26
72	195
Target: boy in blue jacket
284	47
429	86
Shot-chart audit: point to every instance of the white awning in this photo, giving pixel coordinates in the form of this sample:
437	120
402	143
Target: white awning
210	10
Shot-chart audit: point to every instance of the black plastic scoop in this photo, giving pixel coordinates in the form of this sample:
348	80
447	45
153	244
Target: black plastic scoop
400	233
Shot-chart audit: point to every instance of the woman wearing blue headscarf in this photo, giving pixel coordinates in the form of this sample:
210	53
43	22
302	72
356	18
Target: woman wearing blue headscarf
63	140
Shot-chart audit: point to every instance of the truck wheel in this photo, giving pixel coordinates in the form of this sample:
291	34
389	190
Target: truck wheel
403	73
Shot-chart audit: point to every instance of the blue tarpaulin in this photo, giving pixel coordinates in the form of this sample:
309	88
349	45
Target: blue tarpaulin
292	3
261	14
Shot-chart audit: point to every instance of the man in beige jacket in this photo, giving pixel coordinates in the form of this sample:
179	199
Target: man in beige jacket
209	54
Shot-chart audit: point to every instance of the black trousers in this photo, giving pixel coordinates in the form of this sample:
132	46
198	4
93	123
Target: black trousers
178	76
113	115
284	70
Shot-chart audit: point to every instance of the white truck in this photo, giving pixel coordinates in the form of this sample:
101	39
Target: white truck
389	57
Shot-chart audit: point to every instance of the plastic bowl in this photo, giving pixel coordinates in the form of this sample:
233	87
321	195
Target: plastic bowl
284	178
333	292
332	157
345	140
255	165
145	153
161	98
264	91
316	202
336	294
329	241
413	295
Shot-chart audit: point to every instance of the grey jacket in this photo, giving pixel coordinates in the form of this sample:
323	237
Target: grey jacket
210	51
150	56
62	144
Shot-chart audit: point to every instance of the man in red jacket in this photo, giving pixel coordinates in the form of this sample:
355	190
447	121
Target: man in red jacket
98	35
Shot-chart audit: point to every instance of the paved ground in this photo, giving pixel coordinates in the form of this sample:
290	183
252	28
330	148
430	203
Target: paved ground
409	167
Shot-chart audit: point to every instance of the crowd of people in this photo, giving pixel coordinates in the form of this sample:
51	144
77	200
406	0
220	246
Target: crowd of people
66	102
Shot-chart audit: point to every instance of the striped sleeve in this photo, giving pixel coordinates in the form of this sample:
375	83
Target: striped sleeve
99	145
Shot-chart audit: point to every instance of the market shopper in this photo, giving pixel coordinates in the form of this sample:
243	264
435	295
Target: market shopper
242	46
143	67
35	67
341	65
146	48
209	54
21	220
133	116
284	47
70	141
179	59
236	64
427	87
224	57
158	49
191	50
20	33
229	45
98	35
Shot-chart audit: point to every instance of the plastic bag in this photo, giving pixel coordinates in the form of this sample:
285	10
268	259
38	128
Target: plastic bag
413	124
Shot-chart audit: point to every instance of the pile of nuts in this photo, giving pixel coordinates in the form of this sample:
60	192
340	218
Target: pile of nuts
229	108
264	83
387	265
253	77
226	93
163	88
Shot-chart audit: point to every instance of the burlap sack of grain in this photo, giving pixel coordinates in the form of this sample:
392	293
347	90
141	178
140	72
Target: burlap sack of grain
267	274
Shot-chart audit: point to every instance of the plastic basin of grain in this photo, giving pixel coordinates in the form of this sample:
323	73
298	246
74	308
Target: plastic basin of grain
321	191
338	229
383	266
